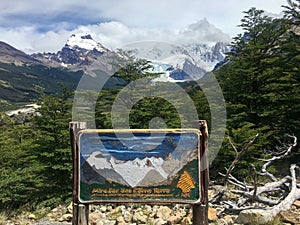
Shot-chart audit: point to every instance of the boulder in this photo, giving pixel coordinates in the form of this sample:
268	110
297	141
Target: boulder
66	218
290	216
212	214
164	212
255	216
297	203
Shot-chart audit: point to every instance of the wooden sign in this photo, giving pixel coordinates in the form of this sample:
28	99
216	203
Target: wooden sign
138	166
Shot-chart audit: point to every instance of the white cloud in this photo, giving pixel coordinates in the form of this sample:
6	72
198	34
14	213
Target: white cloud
29	40
45	25
116	34
112	35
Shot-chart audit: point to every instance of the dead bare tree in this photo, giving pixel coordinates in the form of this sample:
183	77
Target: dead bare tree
238	156
273	196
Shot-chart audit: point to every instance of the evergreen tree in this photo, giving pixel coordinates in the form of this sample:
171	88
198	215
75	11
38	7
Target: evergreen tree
19	168
260	83
53	146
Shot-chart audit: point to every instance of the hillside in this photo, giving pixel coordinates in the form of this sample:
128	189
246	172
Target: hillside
20	83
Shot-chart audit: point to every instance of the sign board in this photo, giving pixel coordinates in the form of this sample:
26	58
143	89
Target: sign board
155	166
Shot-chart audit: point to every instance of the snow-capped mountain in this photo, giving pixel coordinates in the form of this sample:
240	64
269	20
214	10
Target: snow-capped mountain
141	168
180	63
84	41
79	50
176	63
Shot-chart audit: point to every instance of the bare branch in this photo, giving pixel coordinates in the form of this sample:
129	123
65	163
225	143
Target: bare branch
232	145
250	196
238	156
270	161
292	196
255	180
278	195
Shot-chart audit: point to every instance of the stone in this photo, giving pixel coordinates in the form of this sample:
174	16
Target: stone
220	222
255	216
54	210
103	209
109	222
159	221
297	203
99	222
127	216
120	220
70	208
31	216
66	217
174	219
163	212
139	217
116	210
228	219
290	217
186	221
212	214
93	217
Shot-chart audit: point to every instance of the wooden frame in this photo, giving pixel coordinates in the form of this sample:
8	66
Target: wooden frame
200	206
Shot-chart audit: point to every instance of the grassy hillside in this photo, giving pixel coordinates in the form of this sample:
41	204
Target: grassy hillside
21	83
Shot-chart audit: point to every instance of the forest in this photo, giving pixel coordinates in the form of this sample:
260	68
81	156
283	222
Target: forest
260	80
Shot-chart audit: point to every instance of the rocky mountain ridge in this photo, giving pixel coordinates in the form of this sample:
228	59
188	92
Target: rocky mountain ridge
9	54
79	49
82	52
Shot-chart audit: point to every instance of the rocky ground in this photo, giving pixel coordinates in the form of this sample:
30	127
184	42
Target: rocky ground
134	214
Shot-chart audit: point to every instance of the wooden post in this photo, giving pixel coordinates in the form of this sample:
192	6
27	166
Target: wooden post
80	211
200	211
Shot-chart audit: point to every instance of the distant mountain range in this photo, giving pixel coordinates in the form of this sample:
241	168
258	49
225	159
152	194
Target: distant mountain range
177	63
21	74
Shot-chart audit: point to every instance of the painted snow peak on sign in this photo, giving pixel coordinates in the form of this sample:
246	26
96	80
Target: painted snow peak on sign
141	160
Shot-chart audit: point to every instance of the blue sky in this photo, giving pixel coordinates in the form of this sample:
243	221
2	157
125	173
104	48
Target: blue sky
45	25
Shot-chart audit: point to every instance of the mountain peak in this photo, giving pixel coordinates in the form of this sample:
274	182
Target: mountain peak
84	41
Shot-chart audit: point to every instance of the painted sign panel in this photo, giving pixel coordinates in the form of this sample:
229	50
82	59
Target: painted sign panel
139	166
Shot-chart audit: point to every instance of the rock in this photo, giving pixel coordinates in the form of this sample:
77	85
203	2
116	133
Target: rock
297	203
109	222
148	209
290	217
186	221
228	219
127	216
120	220
255	216
49	215
94	217
139	217
159	221
212	214
66	217
220	222
174	219
163	212
116	210
70	208
103	209
54	210
99	222
31	216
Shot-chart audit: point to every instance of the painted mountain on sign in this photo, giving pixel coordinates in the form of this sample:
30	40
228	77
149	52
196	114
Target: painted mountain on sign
143	161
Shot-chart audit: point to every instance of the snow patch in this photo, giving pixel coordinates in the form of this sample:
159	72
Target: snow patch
84	41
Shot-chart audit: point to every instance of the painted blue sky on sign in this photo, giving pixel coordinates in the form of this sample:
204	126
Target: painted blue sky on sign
126	147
